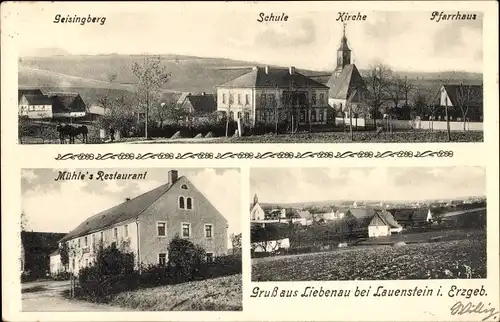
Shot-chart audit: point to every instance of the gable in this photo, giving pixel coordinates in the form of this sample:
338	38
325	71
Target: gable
342	86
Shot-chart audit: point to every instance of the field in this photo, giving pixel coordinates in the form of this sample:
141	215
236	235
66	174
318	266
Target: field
218	294
456	258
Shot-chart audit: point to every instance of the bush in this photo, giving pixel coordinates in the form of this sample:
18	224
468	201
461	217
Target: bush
62	276
221	266
185	260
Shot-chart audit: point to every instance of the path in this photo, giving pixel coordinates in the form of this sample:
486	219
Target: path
49	299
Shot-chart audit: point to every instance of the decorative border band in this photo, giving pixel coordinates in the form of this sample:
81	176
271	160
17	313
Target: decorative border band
256	156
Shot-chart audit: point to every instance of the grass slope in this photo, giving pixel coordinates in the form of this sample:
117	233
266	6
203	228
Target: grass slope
464	258
218	294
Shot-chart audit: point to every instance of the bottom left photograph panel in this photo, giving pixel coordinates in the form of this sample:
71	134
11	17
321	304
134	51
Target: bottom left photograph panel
149	239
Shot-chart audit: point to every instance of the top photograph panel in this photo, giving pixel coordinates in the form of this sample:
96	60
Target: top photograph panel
249	76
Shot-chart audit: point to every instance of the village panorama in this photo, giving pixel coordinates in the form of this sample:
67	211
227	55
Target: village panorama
354	236
109	98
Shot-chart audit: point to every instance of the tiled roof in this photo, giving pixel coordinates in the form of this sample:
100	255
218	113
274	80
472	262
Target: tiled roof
203	104
274	78
384	218
342	86
21	92
38	99
125	211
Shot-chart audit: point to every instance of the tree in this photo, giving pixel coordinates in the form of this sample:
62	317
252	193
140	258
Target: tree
228	113
118	112
236	242
151	76
184	259
467	96
378	85
64	253
425	101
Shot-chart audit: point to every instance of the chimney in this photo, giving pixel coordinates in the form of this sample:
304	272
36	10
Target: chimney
267	70
172	177
292	70
127	199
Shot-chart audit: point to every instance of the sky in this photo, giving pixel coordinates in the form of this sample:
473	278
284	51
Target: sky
290	185
59	206
404	40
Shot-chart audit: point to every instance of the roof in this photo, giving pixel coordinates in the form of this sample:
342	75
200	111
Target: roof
274	78
95	109
349	79
303	214
343	44
38	99
358	213
125	211
54	253
384	218
33	91
472	94
64	101
202	103
408	214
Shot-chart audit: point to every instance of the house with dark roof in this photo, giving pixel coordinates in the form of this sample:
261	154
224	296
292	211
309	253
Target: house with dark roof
146	224
408	217
458	97
269	94
347	87
34	104
67	105
197	105
383	224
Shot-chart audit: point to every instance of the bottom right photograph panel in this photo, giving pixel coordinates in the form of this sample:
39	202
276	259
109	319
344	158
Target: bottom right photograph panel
352	223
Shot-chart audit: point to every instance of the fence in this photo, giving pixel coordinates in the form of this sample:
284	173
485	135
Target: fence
415	125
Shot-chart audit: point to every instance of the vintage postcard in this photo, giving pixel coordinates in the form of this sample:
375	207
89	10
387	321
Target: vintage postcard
250	161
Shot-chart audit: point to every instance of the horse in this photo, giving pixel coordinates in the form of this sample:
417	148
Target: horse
70	131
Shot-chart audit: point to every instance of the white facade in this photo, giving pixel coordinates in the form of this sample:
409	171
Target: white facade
257	213
378	231
34	111
83	250
56	265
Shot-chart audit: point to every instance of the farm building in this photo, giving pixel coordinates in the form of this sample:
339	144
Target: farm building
67	105
197	105
36	248
266	94
462	96
383	224
34	104
146	224
408	217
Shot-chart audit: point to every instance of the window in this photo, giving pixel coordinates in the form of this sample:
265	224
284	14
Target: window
181	202
247	117
189	203
322	98
125	231
314	98
162	259
86	262
184	187
86	243
247	99
79	243
302	116
210	257
224	98
313	116
239	99
321	116
208	230
239	115
113	245
161	229
115	232
231	115
186	230
263	99
102	236
93	239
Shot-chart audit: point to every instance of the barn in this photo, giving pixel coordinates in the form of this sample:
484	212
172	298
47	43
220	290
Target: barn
383	224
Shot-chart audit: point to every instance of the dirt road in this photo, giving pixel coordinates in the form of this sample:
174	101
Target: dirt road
45	296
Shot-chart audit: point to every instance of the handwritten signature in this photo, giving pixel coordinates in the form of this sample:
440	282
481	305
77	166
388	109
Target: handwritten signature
460	309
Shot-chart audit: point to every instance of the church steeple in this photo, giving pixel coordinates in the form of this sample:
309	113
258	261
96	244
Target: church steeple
255	200
343	53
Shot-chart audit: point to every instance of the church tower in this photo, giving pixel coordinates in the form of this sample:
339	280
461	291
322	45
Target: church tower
343	54
255	200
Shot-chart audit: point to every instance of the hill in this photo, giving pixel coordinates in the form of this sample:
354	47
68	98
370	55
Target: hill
188	73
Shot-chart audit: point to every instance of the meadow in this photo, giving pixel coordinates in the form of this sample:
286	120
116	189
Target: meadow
444	259
217	294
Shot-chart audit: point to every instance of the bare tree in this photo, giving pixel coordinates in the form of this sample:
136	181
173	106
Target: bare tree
151	76
236	242
467	95
425	100
378	85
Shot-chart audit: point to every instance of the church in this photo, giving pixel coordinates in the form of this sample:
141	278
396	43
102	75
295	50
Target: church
346	84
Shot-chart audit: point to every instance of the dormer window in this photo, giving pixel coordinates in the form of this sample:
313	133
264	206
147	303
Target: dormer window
181	203
185	187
